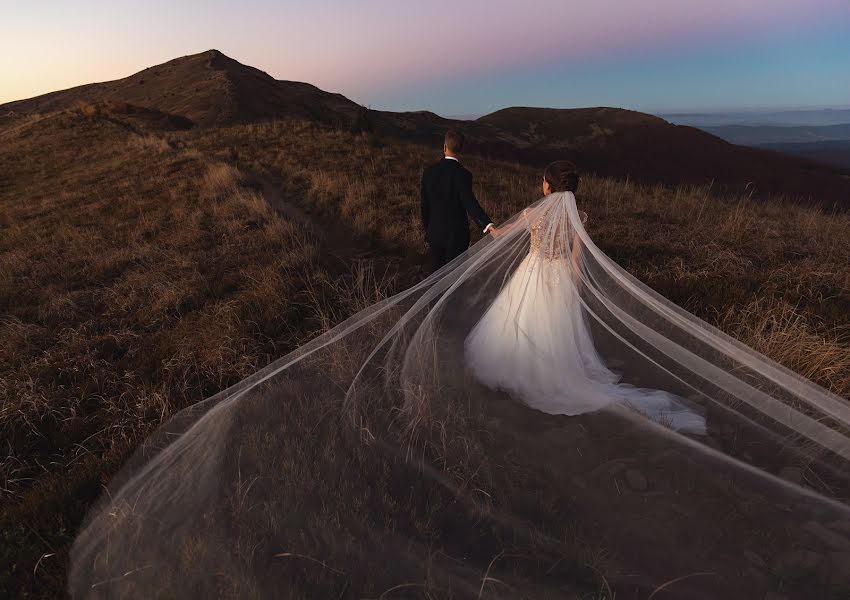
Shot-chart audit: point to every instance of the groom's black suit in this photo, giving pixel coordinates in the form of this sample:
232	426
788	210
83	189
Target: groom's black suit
447	198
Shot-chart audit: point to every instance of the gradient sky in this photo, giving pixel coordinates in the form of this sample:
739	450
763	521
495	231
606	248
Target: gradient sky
462	57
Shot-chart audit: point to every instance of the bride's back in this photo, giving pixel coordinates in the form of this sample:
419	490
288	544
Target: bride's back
550	228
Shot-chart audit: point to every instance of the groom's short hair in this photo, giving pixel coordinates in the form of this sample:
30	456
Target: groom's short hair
454	140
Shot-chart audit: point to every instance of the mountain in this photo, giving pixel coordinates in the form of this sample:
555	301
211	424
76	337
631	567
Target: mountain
533	132
784	118
753	135
621	143
208	88
566	128
211	89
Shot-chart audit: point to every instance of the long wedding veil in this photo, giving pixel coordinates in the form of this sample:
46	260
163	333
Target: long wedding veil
371	463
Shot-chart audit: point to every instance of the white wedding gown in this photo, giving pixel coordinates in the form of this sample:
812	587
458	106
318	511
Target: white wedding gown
534	342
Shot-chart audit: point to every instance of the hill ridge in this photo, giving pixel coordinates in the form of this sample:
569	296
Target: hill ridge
211	89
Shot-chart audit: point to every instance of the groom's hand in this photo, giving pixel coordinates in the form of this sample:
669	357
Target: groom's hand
489	228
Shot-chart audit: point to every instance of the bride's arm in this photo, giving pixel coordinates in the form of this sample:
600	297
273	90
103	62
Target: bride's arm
508	227
576	258
576	253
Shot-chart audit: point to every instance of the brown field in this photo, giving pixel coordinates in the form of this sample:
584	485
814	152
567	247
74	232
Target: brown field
144	268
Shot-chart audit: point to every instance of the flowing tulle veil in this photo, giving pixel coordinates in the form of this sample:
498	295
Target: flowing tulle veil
371	462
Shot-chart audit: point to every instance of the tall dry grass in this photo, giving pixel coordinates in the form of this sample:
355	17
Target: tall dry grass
784	333
136	278
715	255
141	271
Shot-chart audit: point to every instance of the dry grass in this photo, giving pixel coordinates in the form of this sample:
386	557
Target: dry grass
135	279
782	332
716	256
141	271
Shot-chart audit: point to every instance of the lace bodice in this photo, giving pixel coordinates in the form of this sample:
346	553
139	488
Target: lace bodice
556	248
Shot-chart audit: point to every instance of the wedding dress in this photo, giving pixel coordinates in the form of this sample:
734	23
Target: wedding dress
534	340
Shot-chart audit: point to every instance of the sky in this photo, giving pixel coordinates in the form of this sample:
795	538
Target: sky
458	58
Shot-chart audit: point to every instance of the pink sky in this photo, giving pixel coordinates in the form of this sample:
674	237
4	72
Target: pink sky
364	48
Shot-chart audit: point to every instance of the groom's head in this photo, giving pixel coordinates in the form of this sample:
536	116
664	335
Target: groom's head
453	142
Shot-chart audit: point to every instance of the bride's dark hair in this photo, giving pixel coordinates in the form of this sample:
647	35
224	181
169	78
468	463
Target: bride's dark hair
562	176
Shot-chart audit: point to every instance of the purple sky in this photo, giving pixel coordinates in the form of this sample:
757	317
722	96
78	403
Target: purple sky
465	56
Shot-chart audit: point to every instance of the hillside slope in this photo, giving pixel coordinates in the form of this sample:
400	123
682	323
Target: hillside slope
620	143
833	152
208	88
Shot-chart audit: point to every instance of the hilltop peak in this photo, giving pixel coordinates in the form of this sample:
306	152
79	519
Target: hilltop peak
208	88
605	115
216	59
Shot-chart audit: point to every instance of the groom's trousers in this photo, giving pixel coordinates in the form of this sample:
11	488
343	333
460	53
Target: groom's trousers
440	255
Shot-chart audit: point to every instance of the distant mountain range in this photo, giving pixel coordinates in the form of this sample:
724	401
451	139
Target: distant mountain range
785	118
819	135
752	135
213	90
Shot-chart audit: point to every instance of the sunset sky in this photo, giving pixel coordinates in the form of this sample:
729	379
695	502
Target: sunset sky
461	57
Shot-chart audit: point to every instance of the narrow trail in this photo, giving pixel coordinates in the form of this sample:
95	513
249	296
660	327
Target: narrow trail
340	247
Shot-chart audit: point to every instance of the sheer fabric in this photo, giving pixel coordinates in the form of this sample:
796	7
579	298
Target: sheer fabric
534	340
409	452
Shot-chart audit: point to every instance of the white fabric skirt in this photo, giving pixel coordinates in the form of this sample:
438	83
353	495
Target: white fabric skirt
534	343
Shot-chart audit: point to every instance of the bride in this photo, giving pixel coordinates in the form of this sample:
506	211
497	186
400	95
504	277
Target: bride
534	340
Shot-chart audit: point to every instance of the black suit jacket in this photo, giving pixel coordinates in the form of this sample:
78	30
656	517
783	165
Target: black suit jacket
447	198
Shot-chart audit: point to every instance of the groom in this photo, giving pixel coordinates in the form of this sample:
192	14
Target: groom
447	199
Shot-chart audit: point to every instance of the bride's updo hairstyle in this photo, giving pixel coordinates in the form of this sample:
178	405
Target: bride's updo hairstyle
562	176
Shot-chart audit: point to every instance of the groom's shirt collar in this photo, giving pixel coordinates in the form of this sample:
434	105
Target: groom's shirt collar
451	158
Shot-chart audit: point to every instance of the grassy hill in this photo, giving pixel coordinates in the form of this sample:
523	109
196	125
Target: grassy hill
146	264
621	143
753	135
208	89
567	129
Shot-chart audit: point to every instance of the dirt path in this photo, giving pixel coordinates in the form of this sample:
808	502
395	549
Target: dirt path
340	247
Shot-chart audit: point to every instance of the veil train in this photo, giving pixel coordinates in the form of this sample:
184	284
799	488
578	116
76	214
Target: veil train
381	460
